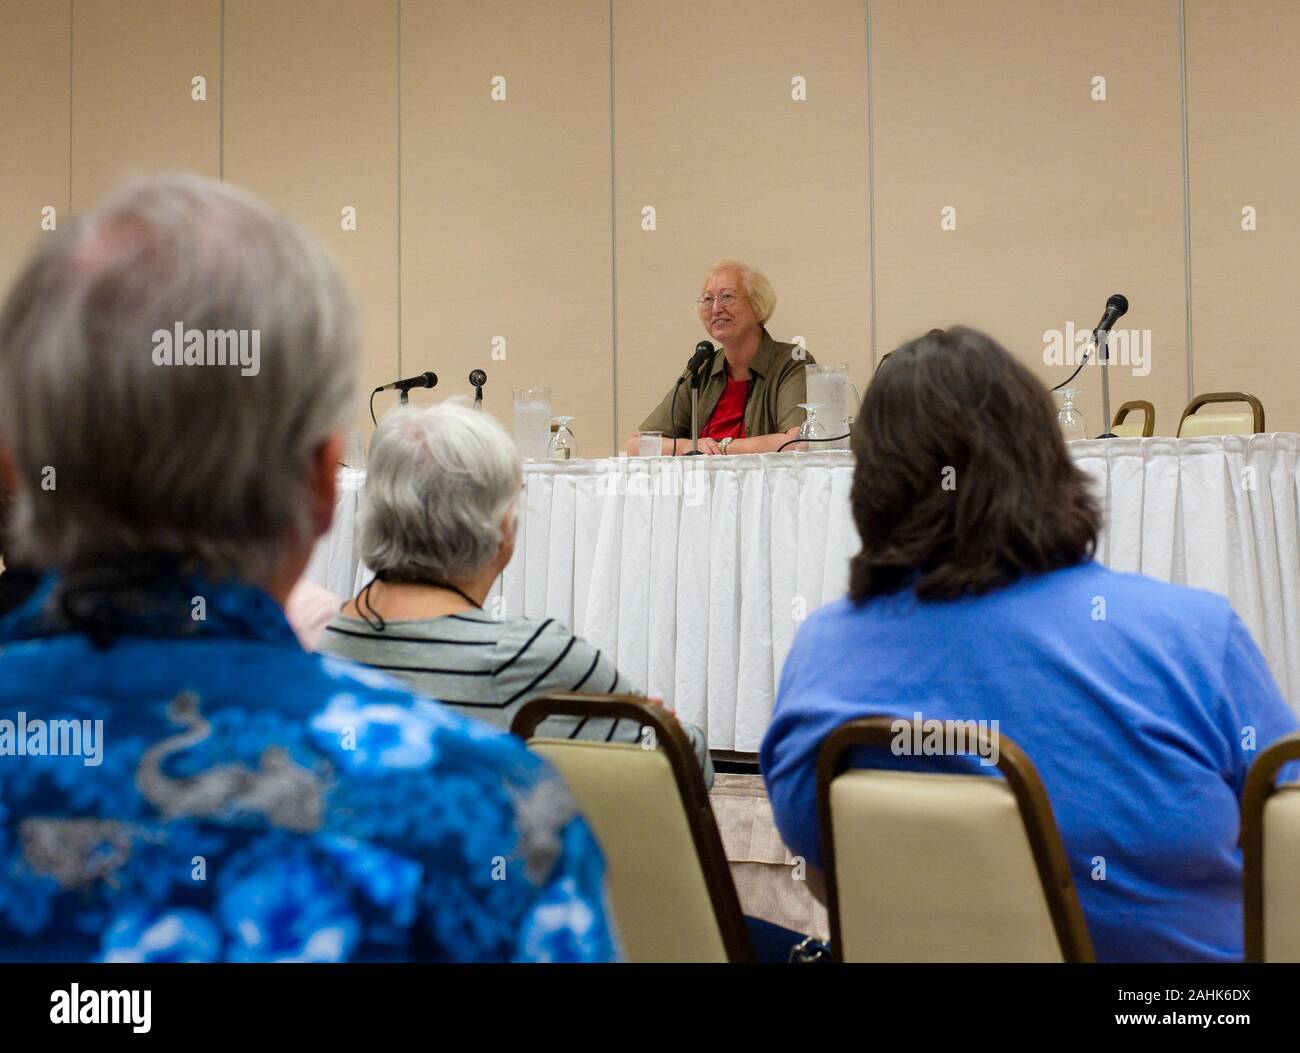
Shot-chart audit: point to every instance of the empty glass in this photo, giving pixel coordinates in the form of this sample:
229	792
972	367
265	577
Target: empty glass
1069	417
811	428
563	446
354	454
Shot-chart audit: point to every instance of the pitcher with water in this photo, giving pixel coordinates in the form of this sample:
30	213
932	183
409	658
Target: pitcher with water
828	389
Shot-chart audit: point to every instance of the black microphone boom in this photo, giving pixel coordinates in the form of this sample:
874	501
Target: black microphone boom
427	379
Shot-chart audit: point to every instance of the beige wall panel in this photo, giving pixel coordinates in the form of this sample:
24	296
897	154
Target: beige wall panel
505	204
132	109
1243	91
311	125
34	102
1061	200
707	133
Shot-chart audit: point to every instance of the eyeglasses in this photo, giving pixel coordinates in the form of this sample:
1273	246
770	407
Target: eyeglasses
727	300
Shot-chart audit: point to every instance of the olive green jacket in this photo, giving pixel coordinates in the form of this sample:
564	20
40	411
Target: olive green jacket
776	387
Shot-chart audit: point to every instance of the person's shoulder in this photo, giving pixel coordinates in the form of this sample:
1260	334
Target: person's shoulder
537	635
1197	619
370	722
792	356
1156	597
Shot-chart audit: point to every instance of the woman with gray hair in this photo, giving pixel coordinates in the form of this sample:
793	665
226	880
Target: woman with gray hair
176	368
437	524
750	388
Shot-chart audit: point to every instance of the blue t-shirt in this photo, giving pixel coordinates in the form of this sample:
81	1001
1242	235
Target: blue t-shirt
1141	704
221	795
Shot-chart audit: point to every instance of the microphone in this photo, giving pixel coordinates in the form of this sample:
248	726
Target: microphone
478	378
427	379
703	352
1116	308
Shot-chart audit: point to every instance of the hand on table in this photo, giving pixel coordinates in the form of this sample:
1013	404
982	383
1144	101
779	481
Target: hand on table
709	447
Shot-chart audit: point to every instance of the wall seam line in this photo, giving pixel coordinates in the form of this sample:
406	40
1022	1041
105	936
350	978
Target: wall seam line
613	244
871	190
1187	190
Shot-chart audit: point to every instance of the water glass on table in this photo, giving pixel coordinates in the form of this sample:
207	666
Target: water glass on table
649	443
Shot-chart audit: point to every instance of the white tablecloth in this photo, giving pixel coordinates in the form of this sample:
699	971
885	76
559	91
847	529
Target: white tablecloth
694	573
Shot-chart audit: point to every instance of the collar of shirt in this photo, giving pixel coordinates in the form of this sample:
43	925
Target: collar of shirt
171	604
764	358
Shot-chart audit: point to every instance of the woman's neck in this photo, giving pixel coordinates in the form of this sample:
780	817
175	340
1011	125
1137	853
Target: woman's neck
416	601
741	355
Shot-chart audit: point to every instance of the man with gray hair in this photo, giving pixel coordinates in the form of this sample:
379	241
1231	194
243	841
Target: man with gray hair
175	369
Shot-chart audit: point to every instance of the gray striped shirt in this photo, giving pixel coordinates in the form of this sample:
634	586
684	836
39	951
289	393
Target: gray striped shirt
487	669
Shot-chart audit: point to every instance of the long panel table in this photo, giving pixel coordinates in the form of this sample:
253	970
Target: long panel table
694	573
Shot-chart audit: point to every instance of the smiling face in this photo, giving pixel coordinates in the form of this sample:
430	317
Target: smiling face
728	323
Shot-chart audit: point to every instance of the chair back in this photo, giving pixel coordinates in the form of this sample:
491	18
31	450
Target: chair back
924	867
670	886
1270	846
1245	420
1126	430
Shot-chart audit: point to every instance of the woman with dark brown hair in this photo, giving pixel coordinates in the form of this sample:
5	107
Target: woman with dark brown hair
975	597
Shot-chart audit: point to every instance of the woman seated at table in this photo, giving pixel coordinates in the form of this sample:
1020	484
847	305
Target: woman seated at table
975	595
437	526
751	389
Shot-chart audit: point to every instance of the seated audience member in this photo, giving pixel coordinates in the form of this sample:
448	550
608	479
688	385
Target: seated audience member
975	596
437	526
309	609
217	792
16	582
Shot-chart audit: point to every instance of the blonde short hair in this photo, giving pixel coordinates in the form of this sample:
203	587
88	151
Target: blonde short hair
753	284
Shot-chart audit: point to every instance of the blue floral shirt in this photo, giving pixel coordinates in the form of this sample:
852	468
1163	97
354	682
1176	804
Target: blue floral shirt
193	786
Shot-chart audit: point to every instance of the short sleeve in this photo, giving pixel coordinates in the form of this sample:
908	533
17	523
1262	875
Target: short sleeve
1256	713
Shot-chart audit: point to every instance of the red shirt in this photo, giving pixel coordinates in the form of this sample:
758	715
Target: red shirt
729	414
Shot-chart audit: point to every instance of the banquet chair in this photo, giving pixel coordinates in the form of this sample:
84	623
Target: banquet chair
925	867
670	886
1270	846
1133	431
1240	422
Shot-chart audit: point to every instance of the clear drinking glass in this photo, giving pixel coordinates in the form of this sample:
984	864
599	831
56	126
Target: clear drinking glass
649	443
532	422
811	428
563	446
1070	419
354	454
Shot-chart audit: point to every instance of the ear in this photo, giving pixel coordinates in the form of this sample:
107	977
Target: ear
506	548
7	473
326	459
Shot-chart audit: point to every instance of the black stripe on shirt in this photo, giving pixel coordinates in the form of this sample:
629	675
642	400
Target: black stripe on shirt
594	662
543	675
511	661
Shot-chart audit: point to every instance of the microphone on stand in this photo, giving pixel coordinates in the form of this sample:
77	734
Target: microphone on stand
1116	308
427	379
478	378
704	351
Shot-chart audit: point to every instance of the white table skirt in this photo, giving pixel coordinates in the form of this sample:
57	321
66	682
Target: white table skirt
757	542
